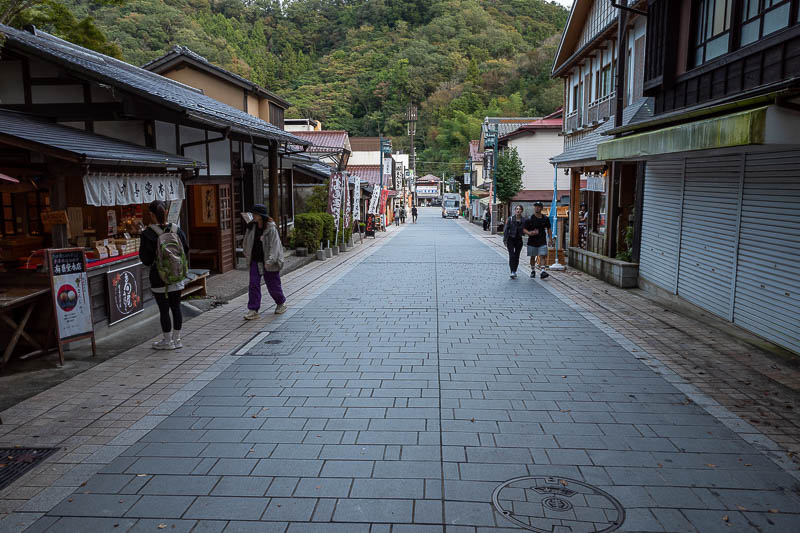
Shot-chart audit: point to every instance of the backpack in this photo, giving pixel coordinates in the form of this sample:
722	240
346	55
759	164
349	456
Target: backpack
171	261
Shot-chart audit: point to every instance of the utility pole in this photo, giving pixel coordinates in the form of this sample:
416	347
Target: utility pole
411	119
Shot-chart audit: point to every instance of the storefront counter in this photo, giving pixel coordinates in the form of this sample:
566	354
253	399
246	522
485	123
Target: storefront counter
25	314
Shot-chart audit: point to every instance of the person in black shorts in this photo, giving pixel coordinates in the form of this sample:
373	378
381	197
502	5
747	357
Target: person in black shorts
512	238
537	228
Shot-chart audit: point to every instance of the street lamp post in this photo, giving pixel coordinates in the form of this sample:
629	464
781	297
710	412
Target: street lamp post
490	139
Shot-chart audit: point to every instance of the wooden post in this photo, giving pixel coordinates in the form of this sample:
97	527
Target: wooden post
574	207
58	202
612	209
274	186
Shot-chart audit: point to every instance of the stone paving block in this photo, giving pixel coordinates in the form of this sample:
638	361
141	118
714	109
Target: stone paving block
328	528
73	524
373	510
352	469
97	505
179	485
287	467
322	488
241	486
282	486
160	507
240	526
290	509
469	514
388	488
226	508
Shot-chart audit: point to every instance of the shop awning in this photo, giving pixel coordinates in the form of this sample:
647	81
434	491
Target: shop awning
35	134
763	125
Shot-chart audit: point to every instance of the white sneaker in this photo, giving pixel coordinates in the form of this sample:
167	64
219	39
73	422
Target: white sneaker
513	275
280	309
177	343
164	345
251	315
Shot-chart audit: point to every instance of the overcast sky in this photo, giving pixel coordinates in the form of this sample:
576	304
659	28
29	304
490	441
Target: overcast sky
565	3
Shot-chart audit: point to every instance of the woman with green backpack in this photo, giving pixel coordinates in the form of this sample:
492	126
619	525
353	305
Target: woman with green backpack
164	249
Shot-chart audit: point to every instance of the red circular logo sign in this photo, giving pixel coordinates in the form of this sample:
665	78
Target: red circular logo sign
67	297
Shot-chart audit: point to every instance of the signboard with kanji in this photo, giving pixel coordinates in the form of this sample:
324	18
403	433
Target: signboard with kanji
71	303
124	288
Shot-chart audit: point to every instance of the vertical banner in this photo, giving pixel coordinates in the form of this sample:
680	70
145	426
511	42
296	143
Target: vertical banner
346	193
387	169
356	198
335	196
384	198
374	200
398	177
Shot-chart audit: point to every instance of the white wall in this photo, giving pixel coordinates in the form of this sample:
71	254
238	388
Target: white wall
165	137
198	153
535	151
365	158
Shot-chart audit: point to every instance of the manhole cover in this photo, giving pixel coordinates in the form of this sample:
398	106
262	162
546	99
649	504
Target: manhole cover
557	505
16	461
275	343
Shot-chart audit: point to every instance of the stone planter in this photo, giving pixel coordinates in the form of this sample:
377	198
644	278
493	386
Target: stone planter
301	251
328	252
613	271
343	247
335	250
321	255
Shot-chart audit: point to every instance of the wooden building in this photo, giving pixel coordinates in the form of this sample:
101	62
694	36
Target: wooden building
86	90
721	186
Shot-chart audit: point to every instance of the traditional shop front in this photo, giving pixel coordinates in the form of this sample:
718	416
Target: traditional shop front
70	188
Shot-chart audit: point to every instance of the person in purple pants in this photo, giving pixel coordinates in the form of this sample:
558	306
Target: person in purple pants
264	253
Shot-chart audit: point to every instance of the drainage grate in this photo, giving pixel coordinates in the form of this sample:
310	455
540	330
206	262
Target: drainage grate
557	505
14	462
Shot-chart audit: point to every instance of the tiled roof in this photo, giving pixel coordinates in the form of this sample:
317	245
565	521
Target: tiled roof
368	173
543	124
35	133
428	178
148	85
365	144
326	141
175	55
586	149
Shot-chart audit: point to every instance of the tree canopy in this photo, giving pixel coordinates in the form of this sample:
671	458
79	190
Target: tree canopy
353	64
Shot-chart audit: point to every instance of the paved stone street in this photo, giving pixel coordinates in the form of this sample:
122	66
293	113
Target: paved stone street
413	388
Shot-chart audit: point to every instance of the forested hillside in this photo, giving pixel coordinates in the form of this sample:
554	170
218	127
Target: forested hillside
355	64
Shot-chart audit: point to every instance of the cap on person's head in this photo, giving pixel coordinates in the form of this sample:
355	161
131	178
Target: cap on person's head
260	209
539	204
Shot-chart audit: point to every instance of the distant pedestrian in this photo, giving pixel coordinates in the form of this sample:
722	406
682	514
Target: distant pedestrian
414	214
164	249
264	254
512	238
397	216
539	235
403	215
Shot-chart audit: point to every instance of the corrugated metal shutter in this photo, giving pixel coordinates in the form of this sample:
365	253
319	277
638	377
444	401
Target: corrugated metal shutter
708	232
768	278
658	259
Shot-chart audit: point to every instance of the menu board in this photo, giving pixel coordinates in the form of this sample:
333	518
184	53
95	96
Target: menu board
124	288
70	286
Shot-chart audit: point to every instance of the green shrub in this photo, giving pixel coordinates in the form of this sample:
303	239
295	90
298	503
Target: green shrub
308	230
328	228
344	236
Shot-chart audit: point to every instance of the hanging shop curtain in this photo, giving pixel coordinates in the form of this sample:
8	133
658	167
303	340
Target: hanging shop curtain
126	189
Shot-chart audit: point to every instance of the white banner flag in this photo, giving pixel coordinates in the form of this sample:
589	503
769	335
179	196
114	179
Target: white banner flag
374	200
356	198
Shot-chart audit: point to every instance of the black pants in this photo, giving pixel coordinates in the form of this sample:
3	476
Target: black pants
485	224
514	248
166	302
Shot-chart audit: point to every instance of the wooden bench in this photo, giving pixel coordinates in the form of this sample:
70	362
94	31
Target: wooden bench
196	283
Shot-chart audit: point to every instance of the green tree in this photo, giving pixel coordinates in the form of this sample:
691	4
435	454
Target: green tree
509	174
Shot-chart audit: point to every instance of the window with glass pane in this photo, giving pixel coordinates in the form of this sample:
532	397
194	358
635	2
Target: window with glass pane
712	25
6	215
762	17
37	203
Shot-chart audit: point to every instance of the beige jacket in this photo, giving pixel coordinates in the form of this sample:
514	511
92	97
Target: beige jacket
270	240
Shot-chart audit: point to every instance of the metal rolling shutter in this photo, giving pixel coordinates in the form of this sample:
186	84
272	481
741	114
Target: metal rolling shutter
768	276
708	232
658	259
